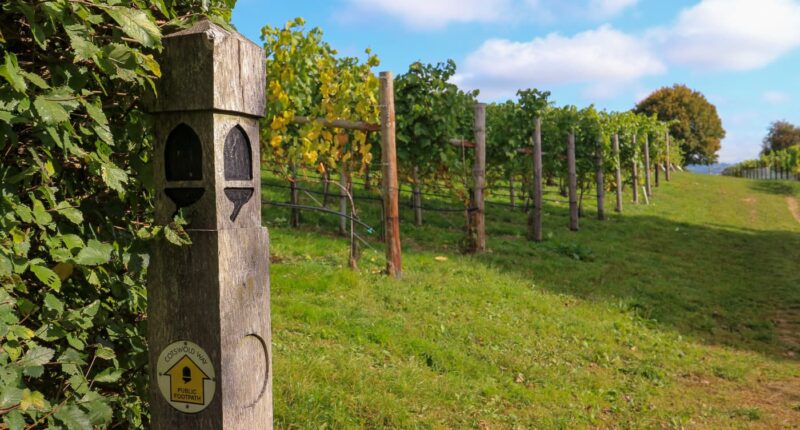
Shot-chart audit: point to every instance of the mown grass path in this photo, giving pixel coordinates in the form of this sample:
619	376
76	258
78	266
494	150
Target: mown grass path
681	314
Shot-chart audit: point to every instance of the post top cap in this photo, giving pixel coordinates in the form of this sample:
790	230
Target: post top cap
209	68
212	30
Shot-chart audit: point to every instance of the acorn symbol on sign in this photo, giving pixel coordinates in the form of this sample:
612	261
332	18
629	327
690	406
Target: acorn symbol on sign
187	375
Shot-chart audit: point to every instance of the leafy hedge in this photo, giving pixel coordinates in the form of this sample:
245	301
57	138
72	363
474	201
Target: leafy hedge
76	206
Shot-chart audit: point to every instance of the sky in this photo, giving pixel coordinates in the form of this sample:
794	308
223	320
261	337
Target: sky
741	54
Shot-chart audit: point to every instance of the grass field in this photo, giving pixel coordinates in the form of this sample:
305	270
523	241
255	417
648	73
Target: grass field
681	314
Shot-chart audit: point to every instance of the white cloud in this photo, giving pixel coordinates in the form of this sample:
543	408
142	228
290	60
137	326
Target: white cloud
732	34
605	59
438	13
775	97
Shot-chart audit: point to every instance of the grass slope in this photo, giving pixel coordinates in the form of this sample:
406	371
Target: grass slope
681	314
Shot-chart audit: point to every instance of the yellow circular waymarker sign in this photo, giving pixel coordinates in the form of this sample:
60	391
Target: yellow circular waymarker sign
186	377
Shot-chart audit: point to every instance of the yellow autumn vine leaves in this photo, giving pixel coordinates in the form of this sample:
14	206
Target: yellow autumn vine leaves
305	78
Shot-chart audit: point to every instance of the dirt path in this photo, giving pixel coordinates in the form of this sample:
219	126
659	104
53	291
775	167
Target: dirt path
794	207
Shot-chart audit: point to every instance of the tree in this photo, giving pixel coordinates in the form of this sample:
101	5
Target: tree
781	135
696	123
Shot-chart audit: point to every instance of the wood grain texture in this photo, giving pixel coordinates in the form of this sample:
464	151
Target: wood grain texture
391	191
214	292
573	183
209	68
479	178
213	210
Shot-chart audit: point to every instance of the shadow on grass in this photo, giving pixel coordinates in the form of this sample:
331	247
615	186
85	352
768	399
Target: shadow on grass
781	188
721	286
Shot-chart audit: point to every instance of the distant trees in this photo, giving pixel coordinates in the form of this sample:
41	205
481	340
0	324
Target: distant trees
695	122
781	135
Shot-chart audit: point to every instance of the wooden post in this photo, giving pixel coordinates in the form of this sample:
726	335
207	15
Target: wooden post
667	173
658	173
618	208
600	183
478	175
326	185
294	200
343	190
536	212
391	192
209	302
635	175
573	183
511	191
417	198
648	187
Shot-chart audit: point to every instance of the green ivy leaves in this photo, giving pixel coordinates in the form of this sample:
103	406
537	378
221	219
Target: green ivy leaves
76	208
137	24
11	72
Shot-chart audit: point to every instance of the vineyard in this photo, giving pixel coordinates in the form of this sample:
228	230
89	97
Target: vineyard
434	261
322	128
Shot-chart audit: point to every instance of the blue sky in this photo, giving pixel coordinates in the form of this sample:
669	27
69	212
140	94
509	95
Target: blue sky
742	54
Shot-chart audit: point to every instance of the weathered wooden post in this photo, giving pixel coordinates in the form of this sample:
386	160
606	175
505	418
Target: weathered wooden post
512	191
209	302
536	213
667	173
573	183
657	166
647	183
391	192
294	196
479	177
618	208
600	182
344	189
635	174
417	198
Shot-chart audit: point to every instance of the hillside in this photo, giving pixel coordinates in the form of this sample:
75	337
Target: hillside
681	314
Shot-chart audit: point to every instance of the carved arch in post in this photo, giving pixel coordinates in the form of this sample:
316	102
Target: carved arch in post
238	155
183	155
238	166
183	161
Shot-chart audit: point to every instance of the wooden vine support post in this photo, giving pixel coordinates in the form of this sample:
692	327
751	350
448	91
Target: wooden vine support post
391	191
658	172
390	209
417	198
635	175
573	183
536	212
647	183
209	302
669	165
479	177
600	182
294	196
618	208
344	190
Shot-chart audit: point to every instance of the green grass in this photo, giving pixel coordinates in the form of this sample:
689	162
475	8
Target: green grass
680	314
